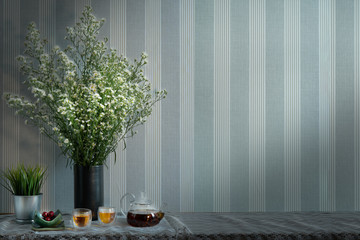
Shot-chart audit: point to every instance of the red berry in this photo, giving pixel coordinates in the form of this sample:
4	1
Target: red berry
48	219
51	214
44	214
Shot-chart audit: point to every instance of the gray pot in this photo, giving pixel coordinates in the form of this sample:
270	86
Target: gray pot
25	206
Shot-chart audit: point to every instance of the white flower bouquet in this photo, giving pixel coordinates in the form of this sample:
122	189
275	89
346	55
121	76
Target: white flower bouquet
86	98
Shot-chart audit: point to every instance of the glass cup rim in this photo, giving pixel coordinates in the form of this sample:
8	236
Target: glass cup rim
107	207
82	210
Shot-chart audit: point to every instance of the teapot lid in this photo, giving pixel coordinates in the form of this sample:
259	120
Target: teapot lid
142	199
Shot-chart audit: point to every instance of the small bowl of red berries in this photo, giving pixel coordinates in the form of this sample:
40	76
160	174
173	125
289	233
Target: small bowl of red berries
48	219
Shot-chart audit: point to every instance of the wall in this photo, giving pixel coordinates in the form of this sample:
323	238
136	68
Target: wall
263	107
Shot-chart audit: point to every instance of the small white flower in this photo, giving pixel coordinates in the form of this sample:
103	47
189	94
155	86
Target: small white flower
97	96
127	71
93	87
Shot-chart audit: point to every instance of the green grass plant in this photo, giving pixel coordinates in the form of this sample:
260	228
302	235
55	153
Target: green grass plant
23	180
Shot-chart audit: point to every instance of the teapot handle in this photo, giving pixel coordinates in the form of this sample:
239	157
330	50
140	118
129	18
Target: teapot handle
122	199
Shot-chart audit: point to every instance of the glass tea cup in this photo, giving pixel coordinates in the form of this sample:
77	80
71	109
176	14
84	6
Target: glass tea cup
81	217
106	215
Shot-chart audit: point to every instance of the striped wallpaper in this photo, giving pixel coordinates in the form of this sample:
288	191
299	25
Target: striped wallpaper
187	105
153	156
257	104
47	26
221	168
262	113
327	101
292	107
357	104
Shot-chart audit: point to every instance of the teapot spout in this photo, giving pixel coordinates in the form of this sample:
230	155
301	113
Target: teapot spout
161	212
160	215
162	207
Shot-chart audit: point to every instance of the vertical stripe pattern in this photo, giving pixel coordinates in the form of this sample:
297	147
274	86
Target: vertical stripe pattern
187	11
357	101
327	97
257	85
11	49
274	191
2	103
292	101
135	147
64	177
344	160
153	126
204	106
47	27
259	117
222	106
118	42
239	105
170	108
309	105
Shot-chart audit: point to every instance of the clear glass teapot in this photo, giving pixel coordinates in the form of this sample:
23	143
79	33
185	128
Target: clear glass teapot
141	212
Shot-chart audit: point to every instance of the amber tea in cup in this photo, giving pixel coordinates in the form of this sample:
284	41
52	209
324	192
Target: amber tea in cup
81	217
106	215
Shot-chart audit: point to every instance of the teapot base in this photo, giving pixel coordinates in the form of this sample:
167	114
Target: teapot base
144	218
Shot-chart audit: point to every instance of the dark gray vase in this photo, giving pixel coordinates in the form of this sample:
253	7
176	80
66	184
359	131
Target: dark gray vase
89	188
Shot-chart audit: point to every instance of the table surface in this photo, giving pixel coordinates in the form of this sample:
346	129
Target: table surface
289	225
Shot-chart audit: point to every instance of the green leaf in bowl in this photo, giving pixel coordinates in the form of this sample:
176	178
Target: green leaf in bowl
43	223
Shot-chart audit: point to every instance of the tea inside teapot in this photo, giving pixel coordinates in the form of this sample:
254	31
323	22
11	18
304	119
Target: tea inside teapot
144	218
142	213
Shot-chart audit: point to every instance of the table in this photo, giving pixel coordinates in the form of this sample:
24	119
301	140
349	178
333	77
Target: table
168	228
272	225
289	225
